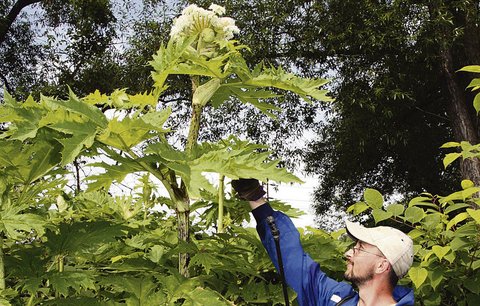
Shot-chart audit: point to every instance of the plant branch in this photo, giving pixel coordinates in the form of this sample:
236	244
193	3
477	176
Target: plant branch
221	199
6	22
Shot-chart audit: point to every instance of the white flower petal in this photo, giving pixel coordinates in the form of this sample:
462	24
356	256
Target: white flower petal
217	9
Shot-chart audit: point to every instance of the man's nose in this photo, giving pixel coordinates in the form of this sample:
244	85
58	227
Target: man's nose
349	253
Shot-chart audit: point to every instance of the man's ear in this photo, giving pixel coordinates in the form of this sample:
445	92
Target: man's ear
383	266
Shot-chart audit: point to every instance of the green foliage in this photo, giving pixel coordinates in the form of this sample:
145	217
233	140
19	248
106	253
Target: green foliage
74	247
63	245
446	243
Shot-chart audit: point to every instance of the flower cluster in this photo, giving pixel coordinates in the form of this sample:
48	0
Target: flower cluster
206	23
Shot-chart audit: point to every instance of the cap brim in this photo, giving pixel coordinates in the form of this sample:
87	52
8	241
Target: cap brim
358	232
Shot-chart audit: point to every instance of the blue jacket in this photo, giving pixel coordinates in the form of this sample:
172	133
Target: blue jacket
312	285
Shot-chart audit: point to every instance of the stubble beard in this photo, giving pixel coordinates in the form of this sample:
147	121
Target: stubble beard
358	280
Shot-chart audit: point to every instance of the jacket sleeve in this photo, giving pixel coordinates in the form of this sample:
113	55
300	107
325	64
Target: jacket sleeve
304	275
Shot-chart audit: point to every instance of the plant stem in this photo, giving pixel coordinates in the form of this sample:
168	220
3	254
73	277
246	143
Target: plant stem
183	203
60	263
30	300
220	204
60	268
2	266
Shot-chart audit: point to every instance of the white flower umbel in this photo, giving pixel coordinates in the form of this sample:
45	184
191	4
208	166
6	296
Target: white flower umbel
207	24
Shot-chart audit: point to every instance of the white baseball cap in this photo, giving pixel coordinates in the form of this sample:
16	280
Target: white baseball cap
395	245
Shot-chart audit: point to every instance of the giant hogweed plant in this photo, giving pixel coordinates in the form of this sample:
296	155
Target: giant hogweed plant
43	138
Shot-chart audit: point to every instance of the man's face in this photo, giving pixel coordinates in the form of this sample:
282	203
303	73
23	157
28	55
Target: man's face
361	261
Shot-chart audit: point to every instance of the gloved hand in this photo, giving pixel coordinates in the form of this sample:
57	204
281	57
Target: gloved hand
248	189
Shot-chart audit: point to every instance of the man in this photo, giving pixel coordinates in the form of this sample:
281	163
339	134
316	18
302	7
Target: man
381	256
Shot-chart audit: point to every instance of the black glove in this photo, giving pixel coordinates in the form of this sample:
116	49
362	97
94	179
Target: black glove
248	189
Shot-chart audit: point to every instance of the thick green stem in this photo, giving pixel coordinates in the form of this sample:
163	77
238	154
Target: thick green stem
221	187
183	228
183	203
60	268
30	300
60	263
2	266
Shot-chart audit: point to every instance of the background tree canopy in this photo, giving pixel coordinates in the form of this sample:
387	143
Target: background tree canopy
392	64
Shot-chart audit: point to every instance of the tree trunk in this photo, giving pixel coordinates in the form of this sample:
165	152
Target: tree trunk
460	109
463	125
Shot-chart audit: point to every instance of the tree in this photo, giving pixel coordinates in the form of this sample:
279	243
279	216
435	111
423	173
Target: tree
398	96
46	43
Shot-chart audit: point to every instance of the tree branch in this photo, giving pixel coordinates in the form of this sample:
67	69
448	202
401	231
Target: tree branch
6	22
5	83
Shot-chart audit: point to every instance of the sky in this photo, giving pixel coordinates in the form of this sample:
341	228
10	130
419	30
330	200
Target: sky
298	196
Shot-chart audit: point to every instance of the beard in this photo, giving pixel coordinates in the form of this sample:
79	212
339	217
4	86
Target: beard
358	280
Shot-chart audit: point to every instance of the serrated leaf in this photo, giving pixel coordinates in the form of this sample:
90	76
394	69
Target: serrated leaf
205	296
78	280
205	260
277	77
418	275
82	237
16	224
75	105
143	100
113	173
167	58
156	253
43	159
124	134
73	146
373	198
157	119
96	98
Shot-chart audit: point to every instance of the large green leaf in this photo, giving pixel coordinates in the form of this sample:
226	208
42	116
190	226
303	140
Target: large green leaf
418	275
205	296
15	224
279	78
77	106
112	173
230	157
81	237
140	291
373	198
24	118
167	58
133	130
78	280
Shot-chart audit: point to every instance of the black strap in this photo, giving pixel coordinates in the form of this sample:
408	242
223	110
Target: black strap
348	297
